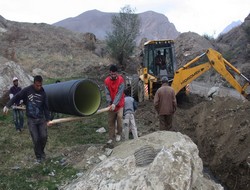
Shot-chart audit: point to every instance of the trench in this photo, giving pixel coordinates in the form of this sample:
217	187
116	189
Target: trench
219	128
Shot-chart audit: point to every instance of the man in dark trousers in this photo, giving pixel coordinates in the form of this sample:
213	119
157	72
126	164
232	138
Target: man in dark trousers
165	104
17	112
37	112
114	90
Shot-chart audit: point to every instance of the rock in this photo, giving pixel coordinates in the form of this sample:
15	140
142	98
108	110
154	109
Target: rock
38	71
16	168
213	91
102	157
101	130
176	166
8	70
108	151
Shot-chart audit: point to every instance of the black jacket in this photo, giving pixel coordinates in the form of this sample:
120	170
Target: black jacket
36	102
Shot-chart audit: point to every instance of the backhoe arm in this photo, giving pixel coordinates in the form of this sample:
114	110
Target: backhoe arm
219	64
190	72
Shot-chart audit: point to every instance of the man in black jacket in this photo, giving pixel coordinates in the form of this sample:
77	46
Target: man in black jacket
35	99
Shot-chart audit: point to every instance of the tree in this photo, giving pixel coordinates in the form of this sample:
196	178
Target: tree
121	41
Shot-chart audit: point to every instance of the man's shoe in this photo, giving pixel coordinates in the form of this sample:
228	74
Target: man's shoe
38	161
118	138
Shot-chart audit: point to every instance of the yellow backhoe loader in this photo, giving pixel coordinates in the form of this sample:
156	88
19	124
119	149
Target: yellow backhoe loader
159	61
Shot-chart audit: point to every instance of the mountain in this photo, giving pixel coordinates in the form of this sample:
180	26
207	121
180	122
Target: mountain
231	26
156	26
93	21
153	25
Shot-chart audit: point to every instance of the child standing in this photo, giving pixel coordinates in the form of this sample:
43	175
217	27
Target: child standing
128	115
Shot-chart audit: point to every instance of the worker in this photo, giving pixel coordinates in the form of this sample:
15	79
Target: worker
160	60
114	91
160	63
130	107
165	104
37	112
17	111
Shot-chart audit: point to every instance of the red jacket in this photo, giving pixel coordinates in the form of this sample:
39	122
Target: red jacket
114	91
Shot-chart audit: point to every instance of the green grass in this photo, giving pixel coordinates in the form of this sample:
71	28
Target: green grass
82	132
49	175
17	167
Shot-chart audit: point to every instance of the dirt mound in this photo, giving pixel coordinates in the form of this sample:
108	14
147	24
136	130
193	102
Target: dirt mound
219	127
188	45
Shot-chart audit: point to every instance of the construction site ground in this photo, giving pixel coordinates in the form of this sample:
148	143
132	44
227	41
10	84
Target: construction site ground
219	127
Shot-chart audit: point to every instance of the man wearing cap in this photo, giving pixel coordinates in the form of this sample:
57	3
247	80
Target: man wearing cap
114	90
165	104
17	113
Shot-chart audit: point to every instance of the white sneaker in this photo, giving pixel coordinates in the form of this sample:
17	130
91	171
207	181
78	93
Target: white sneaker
118	138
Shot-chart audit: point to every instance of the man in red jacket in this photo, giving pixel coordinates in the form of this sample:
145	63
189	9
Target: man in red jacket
114	90
165	104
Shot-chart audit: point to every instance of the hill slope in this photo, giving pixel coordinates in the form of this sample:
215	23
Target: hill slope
55	51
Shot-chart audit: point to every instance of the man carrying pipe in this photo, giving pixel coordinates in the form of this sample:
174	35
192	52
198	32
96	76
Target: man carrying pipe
37	112
114	91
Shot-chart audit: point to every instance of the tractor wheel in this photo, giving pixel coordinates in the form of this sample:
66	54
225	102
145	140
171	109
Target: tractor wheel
134	87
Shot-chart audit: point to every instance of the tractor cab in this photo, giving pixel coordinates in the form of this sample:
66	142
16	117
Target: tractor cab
159	58
158	62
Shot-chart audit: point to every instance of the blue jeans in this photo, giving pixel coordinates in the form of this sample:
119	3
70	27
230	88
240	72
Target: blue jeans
18	118
39	135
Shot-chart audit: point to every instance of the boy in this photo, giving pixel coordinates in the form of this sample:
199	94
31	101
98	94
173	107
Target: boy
128	114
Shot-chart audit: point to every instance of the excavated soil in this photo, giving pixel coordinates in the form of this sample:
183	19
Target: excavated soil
219	127
221	130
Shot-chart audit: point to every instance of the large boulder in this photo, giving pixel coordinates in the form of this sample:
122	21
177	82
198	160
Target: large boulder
8	70
160	160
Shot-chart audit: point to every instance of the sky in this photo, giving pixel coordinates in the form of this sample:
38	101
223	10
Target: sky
208	17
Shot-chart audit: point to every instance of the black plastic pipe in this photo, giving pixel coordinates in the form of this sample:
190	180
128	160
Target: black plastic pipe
76	97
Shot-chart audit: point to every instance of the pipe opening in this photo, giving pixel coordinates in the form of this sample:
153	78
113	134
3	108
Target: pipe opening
87	98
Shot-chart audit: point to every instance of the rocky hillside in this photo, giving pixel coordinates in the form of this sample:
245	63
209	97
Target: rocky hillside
153	25
234	46
231	26
56	52
49	50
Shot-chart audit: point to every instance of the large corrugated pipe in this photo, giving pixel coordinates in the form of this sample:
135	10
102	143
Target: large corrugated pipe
76	97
